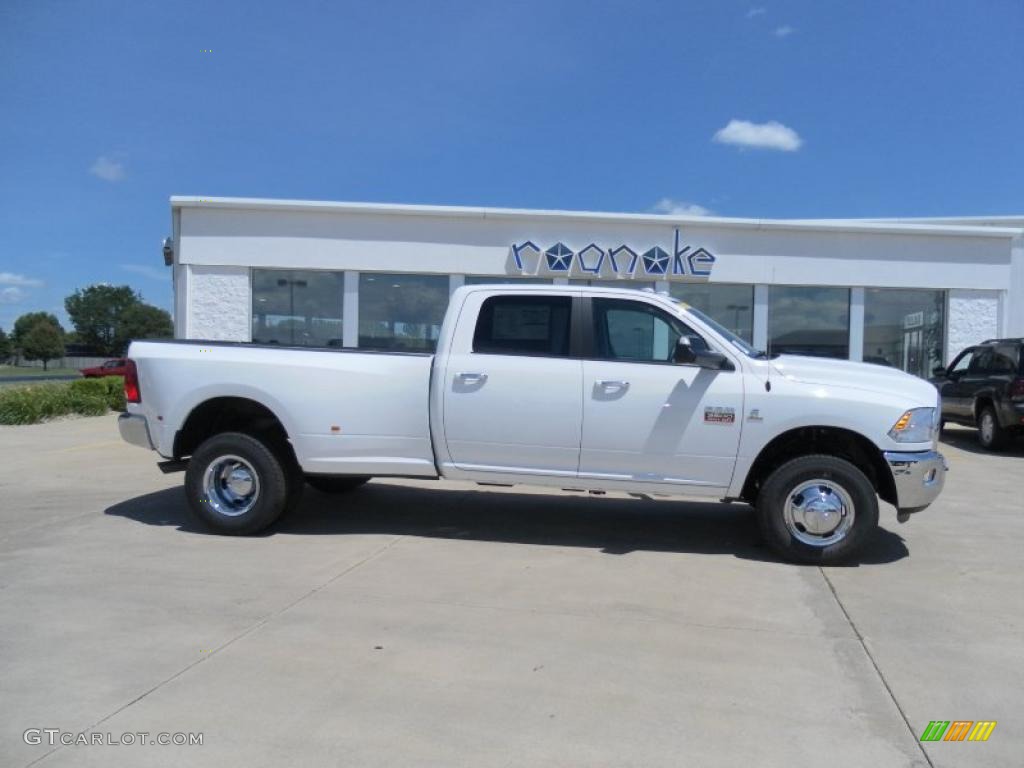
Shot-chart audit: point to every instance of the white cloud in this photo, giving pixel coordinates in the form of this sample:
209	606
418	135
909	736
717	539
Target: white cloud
679	208
770	135
107	169
784	31
755	12
153	273
12	294
9	278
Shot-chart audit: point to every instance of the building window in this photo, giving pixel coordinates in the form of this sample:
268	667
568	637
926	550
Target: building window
524	325
730	305
297	308
401	311
807	320
499	280
904	328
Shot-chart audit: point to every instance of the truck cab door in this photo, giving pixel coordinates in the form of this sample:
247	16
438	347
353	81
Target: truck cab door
951	388
512	399
975	380
646	418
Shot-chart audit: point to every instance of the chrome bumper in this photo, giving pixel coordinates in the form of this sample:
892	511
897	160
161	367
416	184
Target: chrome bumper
134	430
919	477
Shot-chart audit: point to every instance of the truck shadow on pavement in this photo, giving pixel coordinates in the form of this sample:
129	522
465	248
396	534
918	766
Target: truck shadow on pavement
614	525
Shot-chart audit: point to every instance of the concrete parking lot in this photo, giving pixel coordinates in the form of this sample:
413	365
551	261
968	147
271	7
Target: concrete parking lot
443	624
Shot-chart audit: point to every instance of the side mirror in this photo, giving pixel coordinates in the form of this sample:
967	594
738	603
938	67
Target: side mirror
685	354
939	371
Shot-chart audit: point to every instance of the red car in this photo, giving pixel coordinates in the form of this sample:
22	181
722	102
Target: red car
109	368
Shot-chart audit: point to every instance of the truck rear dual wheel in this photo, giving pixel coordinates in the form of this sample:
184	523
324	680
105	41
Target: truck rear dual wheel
237	485
817	509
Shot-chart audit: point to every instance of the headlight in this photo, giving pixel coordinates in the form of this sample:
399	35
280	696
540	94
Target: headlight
917	425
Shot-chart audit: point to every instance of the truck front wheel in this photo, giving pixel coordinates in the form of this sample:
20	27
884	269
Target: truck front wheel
817	509
990	434
235	484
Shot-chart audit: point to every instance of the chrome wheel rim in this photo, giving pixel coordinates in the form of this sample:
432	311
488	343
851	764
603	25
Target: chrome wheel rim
988	426
231	485
819	513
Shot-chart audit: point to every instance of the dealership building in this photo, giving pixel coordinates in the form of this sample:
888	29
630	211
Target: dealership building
906	293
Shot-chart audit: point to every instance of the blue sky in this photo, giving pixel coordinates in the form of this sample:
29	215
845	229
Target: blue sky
765	109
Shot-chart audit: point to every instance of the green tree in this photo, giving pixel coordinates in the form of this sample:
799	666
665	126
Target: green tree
95	312
142	321
43	341
22	326
5	346
26	321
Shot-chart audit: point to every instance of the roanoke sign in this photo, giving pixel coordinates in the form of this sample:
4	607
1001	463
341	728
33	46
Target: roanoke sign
656	263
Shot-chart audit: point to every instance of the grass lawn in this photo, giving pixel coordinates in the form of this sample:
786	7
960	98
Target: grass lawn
7	371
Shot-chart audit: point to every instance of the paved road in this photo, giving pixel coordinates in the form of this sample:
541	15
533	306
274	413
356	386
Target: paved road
441	624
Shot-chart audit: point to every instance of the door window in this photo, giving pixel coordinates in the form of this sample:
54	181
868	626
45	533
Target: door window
981	361
638	332
524	325
962	363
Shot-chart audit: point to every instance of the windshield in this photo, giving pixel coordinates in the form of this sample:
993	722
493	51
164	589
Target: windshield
720	329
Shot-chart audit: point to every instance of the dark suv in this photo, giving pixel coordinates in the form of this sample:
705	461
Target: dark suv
984	388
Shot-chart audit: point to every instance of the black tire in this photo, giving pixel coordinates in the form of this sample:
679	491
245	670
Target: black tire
991	436
269	500
838	473
293	472
335	483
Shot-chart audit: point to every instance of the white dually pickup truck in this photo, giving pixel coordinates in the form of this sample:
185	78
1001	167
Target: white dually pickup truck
599	389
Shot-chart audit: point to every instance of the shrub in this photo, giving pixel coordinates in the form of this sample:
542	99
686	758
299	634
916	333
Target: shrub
115	393
39	402
109	388
32	404
96	387
87	404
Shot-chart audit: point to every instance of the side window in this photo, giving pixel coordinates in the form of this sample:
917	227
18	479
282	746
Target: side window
1004	360
982	361
962	363
637	331
524	325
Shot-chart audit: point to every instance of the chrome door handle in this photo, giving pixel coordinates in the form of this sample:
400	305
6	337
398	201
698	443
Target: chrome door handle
611	384
472	378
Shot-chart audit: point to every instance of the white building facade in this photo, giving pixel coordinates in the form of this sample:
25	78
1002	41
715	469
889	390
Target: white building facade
908	294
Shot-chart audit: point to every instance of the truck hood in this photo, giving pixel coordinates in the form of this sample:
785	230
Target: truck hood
864	376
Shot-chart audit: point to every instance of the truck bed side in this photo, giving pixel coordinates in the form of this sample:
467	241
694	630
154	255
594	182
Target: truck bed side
345	411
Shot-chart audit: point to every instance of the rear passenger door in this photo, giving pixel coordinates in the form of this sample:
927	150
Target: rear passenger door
512	398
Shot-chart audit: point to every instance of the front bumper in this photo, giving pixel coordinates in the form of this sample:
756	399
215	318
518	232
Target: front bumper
135	430
919	477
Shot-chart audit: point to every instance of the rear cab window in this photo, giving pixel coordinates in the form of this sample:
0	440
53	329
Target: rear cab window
524	325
